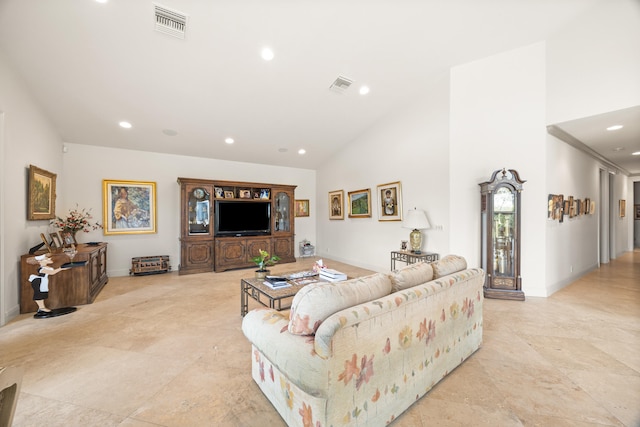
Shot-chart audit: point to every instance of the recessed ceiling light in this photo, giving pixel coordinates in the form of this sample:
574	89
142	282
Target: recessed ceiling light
229	140
267	54
282	150
170	132
636	153
615	127
364	90
125	125
302	151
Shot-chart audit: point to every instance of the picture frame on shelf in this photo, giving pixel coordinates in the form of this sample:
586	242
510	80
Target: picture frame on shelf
302	207
336	204
265	194
129	207
56	240
390	202
67	239
229	194
42	194
46	242
360	203
219	192
245	193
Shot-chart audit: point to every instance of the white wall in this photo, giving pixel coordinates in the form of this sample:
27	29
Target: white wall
594	64
28	139
571	246
83	185
498	121
409	146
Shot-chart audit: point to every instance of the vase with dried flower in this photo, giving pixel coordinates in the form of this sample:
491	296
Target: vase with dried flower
77	220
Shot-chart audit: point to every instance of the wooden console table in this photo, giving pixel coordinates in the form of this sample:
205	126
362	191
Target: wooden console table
76	286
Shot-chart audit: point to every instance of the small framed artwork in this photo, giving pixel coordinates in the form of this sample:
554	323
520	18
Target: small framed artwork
68	239
390	202
219	192
623	208
256	194
42	194
56	240
360	203
129	207
245	194
265	194
302	207
336	204
228	194
46	242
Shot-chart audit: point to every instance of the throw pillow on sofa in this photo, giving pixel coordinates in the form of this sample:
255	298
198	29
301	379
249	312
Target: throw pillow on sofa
448	265
317	301
411	275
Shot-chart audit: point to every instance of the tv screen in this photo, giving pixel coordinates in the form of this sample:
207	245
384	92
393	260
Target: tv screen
233	218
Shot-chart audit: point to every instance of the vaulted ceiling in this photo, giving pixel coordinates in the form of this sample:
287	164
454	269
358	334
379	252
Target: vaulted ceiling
91	65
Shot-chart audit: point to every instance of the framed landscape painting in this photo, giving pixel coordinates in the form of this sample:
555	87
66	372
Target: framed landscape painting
129	207
336	204
360	204
389	202
42	194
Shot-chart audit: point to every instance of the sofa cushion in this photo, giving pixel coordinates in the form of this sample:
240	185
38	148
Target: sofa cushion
317	301
411	275
448	265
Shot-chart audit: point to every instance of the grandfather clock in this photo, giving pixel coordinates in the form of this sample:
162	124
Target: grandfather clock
500	230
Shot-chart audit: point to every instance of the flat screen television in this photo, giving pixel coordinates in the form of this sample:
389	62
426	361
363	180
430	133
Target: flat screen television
234	218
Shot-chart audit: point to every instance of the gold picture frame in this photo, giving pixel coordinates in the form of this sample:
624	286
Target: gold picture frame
56	240
336	204
623	208
360	203
129	207
46	242
42	194
390	202
302	207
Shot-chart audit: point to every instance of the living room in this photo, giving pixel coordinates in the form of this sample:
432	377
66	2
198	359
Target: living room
478	117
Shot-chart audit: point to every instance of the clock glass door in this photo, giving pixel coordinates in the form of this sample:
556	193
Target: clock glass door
503	234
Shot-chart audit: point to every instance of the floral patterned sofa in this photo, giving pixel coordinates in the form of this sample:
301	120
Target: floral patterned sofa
360	352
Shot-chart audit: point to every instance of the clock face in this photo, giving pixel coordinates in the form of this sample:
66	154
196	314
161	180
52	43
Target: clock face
503	200
198	193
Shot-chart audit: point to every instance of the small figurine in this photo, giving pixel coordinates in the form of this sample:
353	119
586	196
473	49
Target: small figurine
40	285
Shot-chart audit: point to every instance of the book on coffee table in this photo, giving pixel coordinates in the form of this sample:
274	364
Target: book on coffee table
332	275
277	285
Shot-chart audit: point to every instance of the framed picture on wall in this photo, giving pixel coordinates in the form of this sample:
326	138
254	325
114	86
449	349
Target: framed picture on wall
42	194
129	207
390	202
636	209
623	208
302	208
360	204
336	204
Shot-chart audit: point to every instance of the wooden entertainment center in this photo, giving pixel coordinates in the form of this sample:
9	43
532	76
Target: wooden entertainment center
207	244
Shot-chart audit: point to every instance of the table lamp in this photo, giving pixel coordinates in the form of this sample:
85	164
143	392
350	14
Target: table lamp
416	220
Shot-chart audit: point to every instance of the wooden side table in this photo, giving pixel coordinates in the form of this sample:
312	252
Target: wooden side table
409	257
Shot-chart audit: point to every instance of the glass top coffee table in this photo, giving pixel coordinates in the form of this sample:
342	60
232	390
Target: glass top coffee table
278	299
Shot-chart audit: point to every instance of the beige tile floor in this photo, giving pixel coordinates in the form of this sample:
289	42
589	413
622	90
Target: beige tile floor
167	350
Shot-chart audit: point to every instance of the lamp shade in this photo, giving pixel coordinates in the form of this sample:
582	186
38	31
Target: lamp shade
416	220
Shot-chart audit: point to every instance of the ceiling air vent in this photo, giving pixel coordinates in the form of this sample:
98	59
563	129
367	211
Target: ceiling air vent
170	21
341	84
